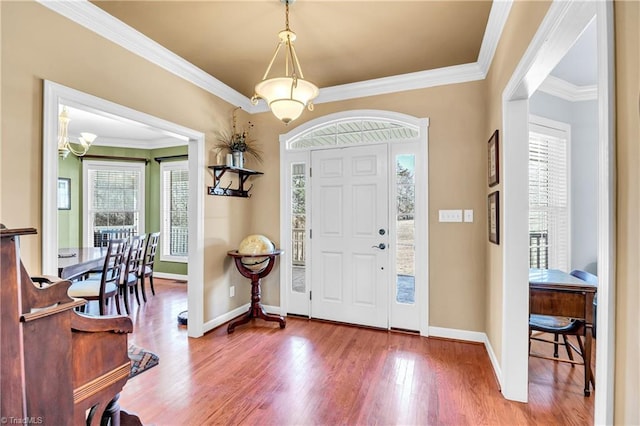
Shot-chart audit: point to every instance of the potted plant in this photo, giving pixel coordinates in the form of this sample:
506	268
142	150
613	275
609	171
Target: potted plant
237	144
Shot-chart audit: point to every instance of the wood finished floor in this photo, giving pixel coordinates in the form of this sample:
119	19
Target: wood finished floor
317	373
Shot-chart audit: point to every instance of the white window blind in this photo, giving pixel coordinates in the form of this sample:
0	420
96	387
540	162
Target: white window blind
174	201
549	227
114	200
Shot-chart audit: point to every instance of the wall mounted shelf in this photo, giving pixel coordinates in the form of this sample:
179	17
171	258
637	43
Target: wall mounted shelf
240	191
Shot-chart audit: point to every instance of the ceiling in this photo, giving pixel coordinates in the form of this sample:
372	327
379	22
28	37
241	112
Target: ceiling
580	65
338	43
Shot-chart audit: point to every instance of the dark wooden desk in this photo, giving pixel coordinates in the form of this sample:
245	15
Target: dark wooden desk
553	292
75	262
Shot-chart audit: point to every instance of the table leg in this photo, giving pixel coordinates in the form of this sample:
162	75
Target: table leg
245	319
588	375
256	310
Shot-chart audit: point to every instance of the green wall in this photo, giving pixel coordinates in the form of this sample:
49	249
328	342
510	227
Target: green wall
70	221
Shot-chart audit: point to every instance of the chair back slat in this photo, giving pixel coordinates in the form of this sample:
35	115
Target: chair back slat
112	269
150	249
135	255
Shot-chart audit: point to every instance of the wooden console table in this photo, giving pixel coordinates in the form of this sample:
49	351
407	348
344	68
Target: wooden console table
256	310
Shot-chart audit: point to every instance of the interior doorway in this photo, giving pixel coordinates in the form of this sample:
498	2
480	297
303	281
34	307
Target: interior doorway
563	24
56	95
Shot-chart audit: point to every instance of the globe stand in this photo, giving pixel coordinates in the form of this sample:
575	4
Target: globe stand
256	310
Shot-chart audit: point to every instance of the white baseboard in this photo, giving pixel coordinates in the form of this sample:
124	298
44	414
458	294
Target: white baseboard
168	276
452	333
272	309
494	361
470	336
218	321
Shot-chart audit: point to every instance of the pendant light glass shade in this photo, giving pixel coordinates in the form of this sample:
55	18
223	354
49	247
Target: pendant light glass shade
286	96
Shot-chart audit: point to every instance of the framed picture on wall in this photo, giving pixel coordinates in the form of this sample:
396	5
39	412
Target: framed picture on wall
493	216
494	160
64	194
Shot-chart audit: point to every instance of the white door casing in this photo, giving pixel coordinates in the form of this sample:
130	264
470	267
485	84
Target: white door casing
56	94
404	135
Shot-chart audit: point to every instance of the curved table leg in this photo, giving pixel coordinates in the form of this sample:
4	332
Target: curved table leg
245	319
256	310
270	317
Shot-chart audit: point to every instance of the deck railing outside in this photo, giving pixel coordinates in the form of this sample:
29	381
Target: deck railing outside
538	250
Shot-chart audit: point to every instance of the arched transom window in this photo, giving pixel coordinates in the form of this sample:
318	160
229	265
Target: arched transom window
353	132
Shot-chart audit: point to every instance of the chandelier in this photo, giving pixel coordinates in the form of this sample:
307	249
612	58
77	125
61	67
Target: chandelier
64	143
287	96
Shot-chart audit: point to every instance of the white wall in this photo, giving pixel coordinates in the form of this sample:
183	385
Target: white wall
583	119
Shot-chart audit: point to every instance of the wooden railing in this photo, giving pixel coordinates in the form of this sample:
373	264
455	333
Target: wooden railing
101	236
179	241
538	250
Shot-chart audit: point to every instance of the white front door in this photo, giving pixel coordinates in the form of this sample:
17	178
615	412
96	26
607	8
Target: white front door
350	230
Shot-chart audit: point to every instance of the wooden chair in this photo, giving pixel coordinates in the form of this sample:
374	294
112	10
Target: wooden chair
146	269
128	283
562	327
105	285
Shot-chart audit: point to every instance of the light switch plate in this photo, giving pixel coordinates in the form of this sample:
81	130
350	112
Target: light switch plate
468	215
450	215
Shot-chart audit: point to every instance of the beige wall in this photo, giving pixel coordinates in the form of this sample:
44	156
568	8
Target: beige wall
457	146
32	37
627	313
465	274
38	44
524	19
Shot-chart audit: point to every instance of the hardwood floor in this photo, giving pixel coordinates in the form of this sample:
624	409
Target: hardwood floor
314	372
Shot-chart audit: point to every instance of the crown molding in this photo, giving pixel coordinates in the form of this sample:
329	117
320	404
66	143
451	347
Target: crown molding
497	19
569	92
400	83
97	20
93	18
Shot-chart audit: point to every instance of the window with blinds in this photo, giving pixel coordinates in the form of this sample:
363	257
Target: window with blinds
174	200
549	227
114	201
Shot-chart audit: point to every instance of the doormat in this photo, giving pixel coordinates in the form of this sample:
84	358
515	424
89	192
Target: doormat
141	360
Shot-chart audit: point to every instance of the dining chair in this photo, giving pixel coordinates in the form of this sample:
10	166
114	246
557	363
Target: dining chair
146	268
128	283
104	286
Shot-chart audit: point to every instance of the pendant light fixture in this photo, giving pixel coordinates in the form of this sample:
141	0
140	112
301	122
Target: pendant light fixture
287	96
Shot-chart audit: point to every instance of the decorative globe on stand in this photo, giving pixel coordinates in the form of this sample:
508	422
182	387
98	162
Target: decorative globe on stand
256	244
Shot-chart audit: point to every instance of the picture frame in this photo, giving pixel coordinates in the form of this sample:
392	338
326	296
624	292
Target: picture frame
493	217
64	194
494	159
